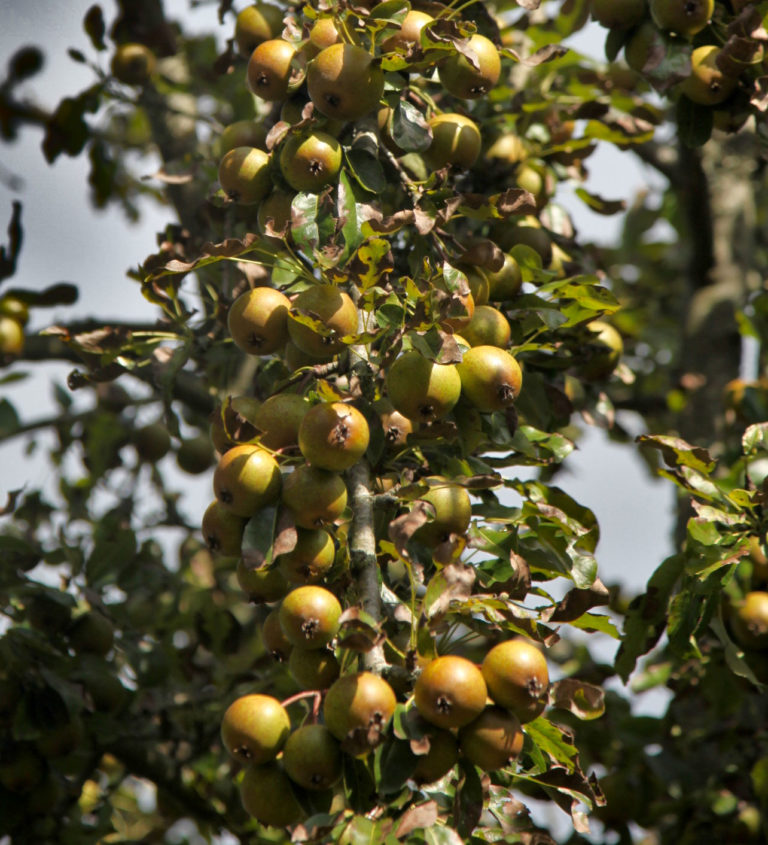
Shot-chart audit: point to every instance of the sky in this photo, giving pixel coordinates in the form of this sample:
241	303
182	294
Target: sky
65	240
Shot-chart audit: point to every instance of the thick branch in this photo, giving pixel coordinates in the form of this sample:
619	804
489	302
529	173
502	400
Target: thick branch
362	547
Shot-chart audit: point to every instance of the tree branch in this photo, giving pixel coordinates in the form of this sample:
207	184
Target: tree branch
362	548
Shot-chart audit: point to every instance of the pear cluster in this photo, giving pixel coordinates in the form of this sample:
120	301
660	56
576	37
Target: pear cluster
343	388
721	76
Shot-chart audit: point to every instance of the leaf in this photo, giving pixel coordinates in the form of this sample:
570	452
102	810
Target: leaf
600	205
259	538
23	64
755	438
366	169
585	701
95	29
677	453
410	131
9	255
577	602
553	741
453	583
421	816
646	616
396	763
469	800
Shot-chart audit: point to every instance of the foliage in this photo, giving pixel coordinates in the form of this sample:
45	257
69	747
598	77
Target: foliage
126	638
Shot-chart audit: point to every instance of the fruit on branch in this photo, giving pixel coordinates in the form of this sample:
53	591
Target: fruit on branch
533	179
442	756
345	82
357	709
492	740
254	728
331	306
267	794
640	46
333	436
14	307
11	336
195	455
266	584
244	175
396	426
274	639
312	757
453	511
311	557
272	72
313	668
315	496
505	283
456	141
409	32
246	479
133	64
450	691
470	80
295	358
91	633
491	378
309	616
707	84
278	419
749	620
310	161
683	17
508	148
758	558
258	320
275	210
241	133
517	678
488	327
479	285
152	442
323	34
244	407
255	24
528	232
223	530
604	352
421	389
618	14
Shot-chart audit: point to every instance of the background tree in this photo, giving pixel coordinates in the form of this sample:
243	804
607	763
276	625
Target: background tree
387	220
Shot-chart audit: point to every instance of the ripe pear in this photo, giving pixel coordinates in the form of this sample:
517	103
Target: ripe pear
246	479
344	81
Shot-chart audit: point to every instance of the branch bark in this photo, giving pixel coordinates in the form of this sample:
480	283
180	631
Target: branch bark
362	547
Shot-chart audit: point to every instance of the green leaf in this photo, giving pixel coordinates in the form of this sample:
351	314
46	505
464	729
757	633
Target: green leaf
552	741
9	419
677	453
410	130
93	24
304	229
367	170
646	616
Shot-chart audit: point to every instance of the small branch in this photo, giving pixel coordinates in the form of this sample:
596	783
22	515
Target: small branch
362	547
